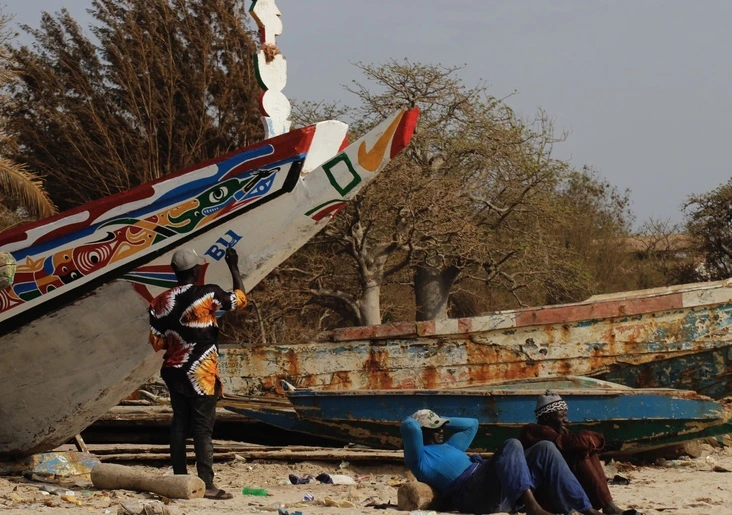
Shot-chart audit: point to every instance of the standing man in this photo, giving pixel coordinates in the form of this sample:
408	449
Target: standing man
183	323
504	483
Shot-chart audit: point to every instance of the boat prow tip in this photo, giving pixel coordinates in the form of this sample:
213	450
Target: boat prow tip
287	387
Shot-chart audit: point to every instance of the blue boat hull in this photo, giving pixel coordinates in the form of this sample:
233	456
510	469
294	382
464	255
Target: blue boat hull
631	419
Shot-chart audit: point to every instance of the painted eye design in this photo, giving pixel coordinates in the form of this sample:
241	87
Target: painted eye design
218	194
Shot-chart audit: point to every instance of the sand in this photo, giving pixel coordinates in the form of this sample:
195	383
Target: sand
694	486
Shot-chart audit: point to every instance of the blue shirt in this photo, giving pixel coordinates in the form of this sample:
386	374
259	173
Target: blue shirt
438	465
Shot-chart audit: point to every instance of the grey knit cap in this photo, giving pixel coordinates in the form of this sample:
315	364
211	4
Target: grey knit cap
549	403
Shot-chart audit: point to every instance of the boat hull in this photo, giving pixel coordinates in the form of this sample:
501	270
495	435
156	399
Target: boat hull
678	337
74	324
631	420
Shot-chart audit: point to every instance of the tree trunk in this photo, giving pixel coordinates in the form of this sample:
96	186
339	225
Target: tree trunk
431	291
370	304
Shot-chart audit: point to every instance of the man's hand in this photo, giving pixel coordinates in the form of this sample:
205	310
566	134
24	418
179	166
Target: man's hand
232	258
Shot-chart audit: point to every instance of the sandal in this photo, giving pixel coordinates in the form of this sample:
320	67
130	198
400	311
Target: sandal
218	495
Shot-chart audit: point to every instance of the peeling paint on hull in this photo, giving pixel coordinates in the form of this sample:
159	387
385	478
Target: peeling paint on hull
677	337
631	419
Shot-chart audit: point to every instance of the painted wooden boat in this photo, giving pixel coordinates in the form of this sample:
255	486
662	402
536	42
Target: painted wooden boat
73	325
632	419
677	337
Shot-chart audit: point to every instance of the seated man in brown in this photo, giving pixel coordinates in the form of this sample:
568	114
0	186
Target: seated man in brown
580	450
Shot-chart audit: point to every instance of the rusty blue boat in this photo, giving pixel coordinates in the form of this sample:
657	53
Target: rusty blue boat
632	419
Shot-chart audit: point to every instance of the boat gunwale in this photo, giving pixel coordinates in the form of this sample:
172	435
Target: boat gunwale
492	392
9	236
542	315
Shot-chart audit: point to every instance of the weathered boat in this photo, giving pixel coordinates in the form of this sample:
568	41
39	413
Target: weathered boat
632	419
675	337
73	325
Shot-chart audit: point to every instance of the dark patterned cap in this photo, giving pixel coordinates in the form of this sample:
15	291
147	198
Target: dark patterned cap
549	403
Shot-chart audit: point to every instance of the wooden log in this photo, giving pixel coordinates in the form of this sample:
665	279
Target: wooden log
414	495
107	476
224	456
131	455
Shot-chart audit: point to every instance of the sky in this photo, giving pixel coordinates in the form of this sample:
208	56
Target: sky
644	87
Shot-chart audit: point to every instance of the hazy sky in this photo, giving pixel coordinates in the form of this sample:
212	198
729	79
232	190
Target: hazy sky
643	86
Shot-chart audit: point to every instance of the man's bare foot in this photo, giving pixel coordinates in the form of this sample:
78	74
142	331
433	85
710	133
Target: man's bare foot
531	505
611	509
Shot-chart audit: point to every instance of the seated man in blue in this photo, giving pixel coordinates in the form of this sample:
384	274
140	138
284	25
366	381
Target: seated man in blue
501	484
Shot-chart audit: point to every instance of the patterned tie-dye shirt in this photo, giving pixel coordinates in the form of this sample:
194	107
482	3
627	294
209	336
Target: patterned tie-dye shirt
183	322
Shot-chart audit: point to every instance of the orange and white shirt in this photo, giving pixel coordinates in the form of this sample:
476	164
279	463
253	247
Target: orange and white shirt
183	323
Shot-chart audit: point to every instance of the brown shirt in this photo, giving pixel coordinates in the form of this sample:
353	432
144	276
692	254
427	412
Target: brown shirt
582	443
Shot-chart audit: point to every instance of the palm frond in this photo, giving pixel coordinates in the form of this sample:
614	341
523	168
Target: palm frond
17	182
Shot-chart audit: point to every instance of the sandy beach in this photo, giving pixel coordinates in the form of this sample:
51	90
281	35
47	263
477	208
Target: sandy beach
699	485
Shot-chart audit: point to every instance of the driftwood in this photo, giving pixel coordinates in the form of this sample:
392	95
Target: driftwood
154	415
147	453
227	450
80	444
107	476
149	456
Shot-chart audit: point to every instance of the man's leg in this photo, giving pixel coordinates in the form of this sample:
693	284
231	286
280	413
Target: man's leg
551	475
501	483
179	429
203	415
591	475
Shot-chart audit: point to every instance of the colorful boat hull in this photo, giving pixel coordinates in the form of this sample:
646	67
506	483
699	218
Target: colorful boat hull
74	323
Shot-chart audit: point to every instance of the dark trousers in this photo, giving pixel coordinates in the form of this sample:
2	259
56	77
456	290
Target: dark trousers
496	485
195	416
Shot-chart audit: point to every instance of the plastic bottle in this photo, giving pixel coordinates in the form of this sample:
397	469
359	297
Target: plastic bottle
259	492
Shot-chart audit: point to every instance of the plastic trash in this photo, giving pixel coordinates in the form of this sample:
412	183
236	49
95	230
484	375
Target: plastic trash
259	492
422	512
295	480
324	478
340	479
335	479
308	497
619	480
57	490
